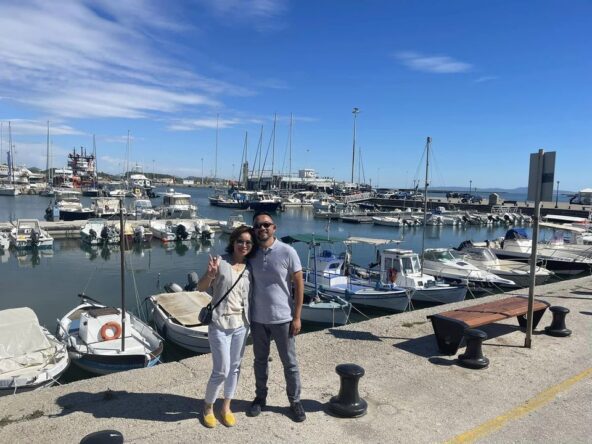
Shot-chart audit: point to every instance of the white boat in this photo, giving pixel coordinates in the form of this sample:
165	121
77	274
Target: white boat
441	263
142	209
328	274
518	272
177	205
8	190
320	307
98	232
388	221
67	206
4	241
516	245
28	234
94	337
180	230
105	207
163	230
234	221
402	268
30	356
175	317
201	230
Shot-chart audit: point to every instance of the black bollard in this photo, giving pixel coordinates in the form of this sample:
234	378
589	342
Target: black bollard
103	437
348	403
557	327
473	355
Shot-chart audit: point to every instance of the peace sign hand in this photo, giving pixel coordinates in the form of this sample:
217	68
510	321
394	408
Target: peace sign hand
213	266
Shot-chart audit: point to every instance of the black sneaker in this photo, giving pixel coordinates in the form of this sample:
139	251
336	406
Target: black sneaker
298	414
256	406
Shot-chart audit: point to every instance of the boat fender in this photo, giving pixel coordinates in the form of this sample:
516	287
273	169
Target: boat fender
392	275
110	330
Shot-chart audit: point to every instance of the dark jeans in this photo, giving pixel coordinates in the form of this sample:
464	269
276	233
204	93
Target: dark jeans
286	347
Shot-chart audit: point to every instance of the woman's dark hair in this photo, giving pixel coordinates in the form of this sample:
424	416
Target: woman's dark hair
234	236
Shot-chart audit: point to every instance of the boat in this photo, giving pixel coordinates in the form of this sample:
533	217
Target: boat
67	206
104	340
402	268
9	189
202	230
30	356
261	201
518	272
234	221
140	235
4	241
177	205
319	307
389	221
516	245
142	209
441	263
171	231
105	207
98	232
162	230
28	235
175	317
233	199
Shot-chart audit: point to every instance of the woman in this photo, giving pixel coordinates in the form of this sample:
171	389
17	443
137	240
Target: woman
230	280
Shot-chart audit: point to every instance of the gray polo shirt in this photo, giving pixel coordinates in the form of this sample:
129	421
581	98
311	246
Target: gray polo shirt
272	270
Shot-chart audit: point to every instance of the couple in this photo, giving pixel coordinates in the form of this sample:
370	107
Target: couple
258	295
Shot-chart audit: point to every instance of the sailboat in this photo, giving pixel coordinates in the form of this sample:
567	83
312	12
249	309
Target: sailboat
9	189
104	340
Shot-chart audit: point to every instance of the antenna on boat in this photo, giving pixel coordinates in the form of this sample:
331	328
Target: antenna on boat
425	199
122	269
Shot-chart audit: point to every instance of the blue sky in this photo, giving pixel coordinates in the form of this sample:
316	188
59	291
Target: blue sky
489	81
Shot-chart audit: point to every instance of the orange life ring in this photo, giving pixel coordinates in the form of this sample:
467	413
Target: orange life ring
392	275
111	330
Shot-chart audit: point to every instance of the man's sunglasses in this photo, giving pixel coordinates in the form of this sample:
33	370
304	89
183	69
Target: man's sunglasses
263	225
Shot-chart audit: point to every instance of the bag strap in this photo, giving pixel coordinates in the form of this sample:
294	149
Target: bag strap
230	289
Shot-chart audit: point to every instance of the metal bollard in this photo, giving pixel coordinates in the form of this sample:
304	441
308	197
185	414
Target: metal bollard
348	403
557	327
473	355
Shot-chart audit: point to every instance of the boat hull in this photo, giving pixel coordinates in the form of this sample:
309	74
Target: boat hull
326	313
194	339
439	295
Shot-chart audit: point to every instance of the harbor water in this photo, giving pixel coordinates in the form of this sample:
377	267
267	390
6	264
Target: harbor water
49	281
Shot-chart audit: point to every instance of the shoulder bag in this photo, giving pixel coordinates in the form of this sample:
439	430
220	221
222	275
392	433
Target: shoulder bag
205	314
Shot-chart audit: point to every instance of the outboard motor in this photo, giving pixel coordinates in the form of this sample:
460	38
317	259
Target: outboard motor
34	238
139	234
172	287
92	233
105	233
192	280
181	232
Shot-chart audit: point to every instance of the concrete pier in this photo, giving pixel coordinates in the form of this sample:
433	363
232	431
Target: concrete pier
414	393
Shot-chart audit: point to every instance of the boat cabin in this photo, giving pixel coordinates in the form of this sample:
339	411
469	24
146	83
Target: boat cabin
329	270
403	268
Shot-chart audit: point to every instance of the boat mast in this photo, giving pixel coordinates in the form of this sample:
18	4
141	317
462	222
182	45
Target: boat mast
290	155
273	147
355	112
216	153
425	199
96	172
122	270
47	156
10	156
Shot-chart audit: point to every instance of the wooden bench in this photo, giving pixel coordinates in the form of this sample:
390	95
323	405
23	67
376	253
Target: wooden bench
450	326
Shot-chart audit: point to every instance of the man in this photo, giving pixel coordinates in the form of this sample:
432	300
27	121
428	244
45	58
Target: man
275	314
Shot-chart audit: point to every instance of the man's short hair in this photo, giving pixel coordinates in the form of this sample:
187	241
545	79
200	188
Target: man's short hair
262	213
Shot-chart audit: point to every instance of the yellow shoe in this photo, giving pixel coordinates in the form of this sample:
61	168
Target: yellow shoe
228	419
210	421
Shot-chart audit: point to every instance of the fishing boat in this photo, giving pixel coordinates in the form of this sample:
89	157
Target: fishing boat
320	307
30	356
104	340
105	207
176	318
177	205
234	221
28	235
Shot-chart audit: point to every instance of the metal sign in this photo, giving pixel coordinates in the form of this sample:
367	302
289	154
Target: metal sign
541	176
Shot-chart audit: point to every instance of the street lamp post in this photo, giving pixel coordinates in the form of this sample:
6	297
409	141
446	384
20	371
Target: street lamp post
470	186
557	196
355	112
202	172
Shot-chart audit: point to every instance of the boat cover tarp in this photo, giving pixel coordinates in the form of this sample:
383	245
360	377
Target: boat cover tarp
184	306
370	241
22	341
516	233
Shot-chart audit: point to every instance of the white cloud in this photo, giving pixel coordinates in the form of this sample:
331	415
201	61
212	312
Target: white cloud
99	59
38	127
434	64
264	15
485	79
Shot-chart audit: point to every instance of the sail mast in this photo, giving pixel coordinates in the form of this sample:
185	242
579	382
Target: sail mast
425	199
216	154
290	155
122	270
273	148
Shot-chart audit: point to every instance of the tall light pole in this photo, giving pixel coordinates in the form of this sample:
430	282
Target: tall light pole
470	186
355	112
202	173
557	196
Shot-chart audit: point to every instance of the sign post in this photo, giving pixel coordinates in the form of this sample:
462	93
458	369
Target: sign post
540	187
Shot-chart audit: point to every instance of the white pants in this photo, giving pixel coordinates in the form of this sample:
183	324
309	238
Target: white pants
228	347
